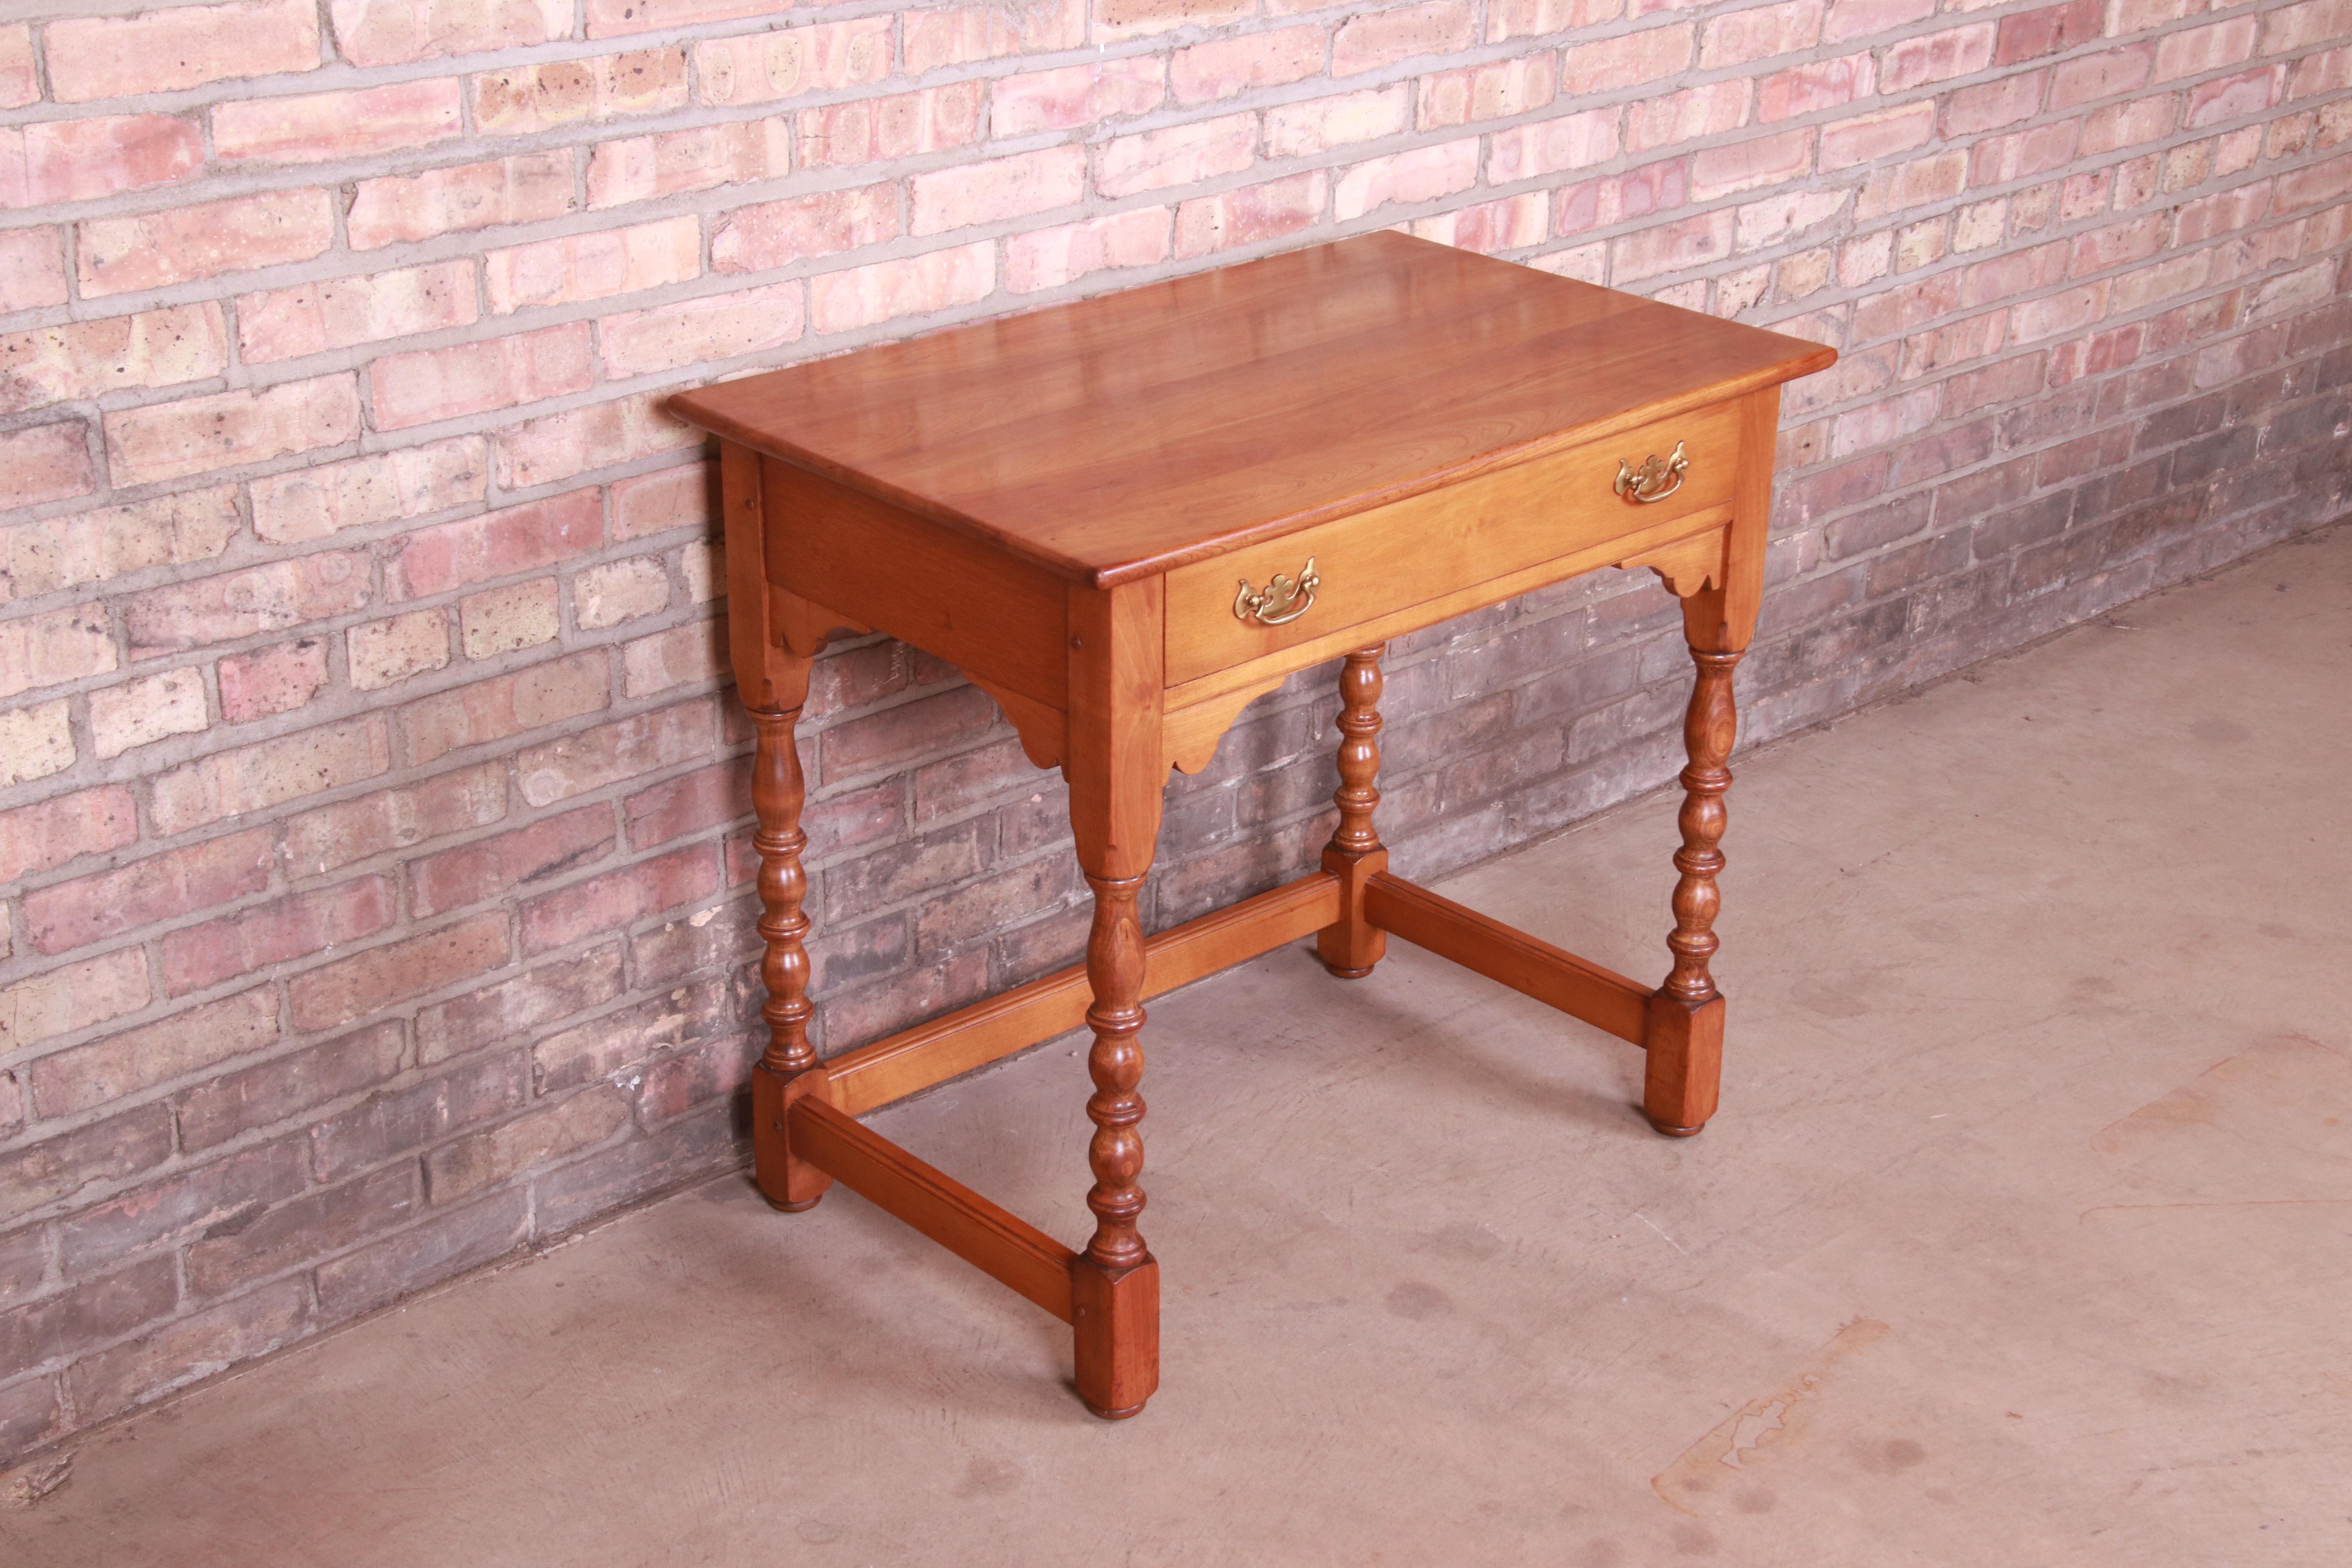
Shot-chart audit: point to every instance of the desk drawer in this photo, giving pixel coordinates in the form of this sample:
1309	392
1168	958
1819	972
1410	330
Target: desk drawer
1430	546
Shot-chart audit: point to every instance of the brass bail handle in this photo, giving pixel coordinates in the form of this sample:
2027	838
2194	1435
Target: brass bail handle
1282	599
1656	479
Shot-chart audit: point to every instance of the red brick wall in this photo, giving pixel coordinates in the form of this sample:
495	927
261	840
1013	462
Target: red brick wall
373	872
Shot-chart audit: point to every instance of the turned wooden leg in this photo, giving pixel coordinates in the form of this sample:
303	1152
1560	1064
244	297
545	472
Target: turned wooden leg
1116	1296
788	1068
1352	944
1685	1021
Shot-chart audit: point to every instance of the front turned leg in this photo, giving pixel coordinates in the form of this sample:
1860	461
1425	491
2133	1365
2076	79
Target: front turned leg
788	1068
1351	945
1115	1284
1685	1021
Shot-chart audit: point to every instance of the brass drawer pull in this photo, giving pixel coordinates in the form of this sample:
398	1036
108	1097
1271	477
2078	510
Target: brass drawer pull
1282	599
1656	479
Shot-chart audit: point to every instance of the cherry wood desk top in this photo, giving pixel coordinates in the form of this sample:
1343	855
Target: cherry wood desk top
1118	437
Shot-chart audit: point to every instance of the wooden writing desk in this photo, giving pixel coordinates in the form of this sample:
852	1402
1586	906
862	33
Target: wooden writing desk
1125	518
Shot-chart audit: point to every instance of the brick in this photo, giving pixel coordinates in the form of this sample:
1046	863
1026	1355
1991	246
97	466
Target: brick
1745	165
1320	124
139	713
20	82
761	68
1373	39
254	778
902	125
1050	258
1815	85
2055	29
952	35
433	385
1612	199
2125	125
82	160
1498	90
504	1012
484	710
1856	18
35	741
997	189
447	1245
558	446
1920	183
917	286
47	833
1691	115
1629	59
1763	32
1179	155
691	803
1970	110
606	17
383	653
34	1176
270	680
314	502
317	126
1670	246
294	926
1523	18
617	899
1250	214
44	463
396	1121
626	748
180	245
120	1065
592	266
2195	50
349	988
2104	75
1133	18
658	503
1552	146
342	312
693	654
496	545
713	327
553	93
189	46
161	887
228	606
392	32
491	866
181	1206
74	996
503	620
776	233
1868	138
2313	184
1420	175
229	430
298	1231
1937	56
1490	227
644	168
174	1354
618	590
32	268
2211	103
333	836
112	354
495	1154
87	1315
1207	72
60	645
525	188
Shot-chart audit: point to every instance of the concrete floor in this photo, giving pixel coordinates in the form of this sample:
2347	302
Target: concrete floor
2024	1236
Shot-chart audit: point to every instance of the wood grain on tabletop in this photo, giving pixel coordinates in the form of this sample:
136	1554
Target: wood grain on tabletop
1116	436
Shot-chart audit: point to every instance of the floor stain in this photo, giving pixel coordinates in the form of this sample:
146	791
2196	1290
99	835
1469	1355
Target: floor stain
1755	1435
2271	1124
